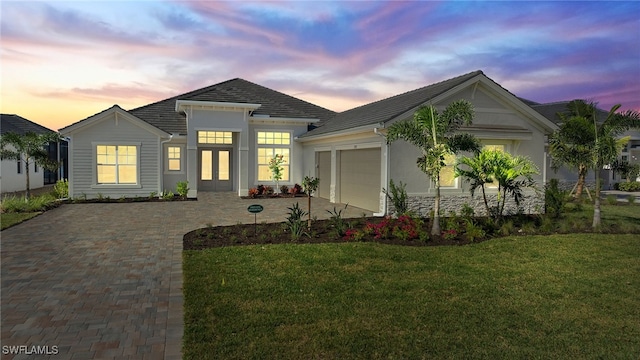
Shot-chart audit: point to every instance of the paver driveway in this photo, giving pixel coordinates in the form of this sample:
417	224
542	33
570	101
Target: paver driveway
90	281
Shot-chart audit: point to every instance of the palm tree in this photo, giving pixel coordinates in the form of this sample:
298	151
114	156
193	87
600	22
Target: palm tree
573	143
436	136
512	175
608	145
30	149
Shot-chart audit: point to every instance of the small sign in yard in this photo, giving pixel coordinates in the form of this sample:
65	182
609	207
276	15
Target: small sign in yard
255	209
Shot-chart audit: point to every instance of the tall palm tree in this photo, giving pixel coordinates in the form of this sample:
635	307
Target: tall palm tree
573	143
608	144
30	149
512	175
436	135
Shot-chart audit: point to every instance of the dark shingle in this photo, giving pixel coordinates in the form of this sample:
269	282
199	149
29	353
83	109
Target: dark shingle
551	110
19	125
162	114
387	109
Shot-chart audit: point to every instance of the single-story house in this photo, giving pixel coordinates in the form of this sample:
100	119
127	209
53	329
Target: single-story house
13	173
569	177
221	138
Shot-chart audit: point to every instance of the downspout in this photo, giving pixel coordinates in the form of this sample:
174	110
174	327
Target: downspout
386	170
161	166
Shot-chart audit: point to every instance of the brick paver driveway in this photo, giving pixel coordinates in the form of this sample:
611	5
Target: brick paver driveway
88	281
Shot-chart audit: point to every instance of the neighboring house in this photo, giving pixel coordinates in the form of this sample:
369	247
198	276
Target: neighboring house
13	173
221	138
569	177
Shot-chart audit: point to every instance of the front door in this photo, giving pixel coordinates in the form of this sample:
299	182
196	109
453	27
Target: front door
215	169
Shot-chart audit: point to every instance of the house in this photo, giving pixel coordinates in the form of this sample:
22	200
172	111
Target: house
568	177
221	138
13	173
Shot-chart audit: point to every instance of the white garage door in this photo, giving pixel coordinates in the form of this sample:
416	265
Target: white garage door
324	174
360	178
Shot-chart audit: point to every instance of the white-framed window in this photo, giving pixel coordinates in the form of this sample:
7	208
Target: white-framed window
215	137
116	164
269	144
447	173
174	158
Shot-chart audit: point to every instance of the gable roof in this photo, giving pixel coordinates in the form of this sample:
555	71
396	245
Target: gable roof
19	125
162	114
388	109
117	111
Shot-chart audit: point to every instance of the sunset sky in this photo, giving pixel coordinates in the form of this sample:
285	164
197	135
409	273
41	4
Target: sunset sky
64	61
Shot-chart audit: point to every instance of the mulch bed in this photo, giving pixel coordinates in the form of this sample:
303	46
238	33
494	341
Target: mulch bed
275	233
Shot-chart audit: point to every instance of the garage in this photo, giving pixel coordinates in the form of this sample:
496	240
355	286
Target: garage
324	174
359	178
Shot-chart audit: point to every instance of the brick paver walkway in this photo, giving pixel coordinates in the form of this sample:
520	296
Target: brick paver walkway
102	281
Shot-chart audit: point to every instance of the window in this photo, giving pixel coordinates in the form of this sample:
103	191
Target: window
174	157
117	164
35	167
215	137
447	173
272	143
19	166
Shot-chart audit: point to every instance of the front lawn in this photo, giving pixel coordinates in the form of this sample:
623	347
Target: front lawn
552	297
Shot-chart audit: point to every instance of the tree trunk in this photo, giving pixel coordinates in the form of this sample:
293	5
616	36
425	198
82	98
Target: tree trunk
582	175
435	228
28	192
597	221
486	203
309	222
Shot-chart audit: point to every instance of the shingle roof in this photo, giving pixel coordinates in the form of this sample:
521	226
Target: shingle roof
387	109
162	114
550	110
19	125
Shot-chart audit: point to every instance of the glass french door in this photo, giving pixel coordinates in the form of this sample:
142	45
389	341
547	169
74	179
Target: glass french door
215	169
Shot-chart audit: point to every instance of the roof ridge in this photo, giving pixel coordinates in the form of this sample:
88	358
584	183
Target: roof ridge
474	73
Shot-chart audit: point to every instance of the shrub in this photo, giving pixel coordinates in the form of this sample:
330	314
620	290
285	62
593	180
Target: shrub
631	199
295	189
268	190
406	227
295	224
167	195
61	189
253	192
338	224
284	189
182	188
450	234
629	186
554	198
472	231
612	200
467	211
398	196
34	204
261	190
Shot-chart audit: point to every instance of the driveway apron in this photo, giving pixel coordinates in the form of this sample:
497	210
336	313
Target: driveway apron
89	281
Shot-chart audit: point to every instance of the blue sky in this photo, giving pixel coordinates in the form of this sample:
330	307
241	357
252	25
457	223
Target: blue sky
64	61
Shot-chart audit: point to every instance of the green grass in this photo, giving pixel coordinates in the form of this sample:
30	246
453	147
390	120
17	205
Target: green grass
9	219
551	297
14	210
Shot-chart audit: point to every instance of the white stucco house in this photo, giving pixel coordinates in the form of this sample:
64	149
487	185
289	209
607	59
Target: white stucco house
221	138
